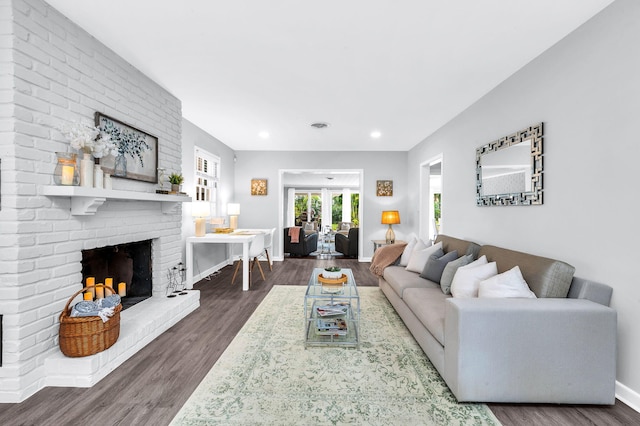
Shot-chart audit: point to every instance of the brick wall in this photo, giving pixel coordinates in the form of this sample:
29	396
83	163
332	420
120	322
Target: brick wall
53	72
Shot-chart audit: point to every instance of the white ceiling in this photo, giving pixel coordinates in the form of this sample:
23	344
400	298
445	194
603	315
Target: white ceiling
403	68
317	179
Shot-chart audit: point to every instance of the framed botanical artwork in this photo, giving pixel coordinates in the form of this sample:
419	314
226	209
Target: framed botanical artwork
137	151
384	188
258	187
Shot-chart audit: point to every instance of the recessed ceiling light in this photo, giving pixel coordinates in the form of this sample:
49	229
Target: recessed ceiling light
376	134
264	135
320	125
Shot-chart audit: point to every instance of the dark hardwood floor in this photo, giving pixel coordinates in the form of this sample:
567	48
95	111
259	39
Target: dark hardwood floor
150	387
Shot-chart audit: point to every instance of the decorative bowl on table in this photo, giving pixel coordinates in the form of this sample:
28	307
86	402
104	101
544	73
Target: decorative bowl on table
222	230
332	273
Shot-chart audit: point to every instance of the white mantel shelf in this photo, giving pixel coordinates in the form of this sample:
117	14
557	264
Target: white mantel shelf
86	201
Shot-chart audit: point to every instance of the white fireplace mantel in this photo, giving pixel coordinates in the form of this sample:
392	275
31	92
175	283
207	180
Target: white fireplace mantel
86	201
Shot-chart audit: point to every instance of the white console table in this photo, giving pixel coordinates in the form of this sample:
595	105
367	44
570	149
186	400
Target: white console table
233	238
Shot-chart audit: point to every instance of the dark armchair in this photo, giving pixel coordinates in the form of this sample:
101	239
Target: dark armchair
348	245
308	243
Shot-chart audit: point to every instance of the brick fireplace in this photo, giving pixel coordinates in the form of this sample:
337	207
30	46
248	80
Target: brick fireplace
125	263
56	73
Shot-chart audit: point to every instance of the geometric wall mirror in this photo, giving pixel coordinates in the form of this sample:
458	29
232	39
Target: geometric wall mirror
509	170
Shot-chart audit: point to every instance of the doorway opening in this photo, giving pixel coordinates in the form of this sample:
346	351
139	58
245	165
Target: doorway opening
325	201
431	212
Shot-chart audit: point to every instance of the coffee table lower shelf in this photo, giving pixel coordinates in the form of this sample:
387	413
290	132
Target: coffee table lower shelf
349	340
315	338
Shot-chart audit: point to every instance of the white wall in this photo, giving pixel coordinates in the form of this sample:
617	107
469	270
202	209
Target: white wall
53	72
586	90
207	257
262	211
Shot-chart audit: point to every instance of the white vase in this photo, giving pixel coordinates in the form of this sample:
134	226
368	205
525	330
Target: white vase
97	176
86	170
107	181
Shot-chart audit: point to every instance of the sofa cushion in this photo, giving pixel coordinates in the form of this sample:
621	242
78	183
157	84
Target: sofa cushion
467	279
428	305
546	277
419	257
400	279
506	284
462	246
435	265
450	271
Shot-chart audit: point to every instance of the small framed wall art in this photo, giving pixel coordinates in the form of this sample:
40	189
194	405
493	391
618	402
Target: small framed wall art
384	188
258	187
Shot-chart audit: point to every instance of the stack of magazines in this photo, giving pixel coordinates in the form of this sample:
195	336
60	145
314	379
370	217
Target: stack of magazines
332	327
329	310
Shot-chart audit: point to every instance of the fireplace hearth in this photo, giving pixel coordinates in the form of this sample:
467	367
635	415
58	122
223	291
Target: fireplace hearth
129	263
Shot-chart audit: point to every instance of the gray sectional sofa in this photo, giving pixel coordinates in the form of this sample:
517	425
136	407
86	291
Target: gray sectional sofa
557	348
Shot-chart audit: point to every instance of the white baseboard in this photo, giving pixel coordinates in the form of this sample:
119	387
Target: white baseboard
211	270
628	396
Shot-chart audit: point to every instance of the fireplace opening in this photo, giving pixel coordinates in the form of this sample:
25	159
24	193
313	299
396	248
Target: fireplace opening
129	263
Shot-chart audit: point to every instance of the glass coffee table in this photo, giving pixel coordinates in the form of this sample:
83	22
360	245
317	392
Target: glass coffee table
332	311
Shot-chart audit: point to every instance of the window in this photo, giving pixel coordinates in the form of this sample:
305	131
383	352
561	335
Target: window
207	178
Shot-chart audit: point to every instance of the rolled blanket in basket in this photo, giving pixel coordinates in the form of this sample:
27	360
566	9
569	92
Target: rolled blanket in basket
103	308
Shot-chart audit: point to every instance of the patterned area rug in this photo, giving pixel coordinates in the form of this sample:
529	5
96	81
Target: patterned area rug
266	376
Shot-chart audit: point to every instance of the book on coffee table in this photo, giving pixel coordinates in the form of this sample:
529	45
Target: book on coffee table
332	327
329	310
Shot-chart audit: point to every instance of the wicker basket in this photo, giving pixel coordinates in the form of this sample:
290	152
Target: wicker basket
84	336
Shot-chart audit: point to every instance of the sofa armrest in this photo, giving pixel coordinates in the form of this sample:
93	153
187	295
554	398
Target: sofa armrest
590	290
530	350
311	240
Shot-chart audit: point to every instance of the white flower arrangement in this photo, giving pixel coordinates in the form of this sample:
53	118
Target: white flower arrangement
83	136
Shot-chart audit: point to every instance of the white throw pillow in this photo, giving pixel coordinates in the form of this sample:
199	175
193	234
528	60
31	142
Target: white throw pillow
508	284
467	280
406	254
479	261
419	257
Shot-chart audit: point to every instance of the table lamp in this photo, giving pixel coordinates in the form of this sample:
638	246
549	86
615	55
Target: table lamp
200	210
390	217
233	210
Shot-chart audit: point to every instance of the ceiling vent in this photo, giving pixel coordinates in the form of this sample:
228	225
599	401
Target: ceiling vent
319	125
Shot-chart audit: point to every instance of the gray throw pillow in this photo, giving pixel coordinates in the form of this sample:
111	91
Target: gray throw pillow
450	271
435	265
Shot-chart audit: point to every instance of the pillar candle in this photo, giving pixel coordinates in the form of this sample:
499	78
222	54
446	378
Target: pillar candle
88	295
108	282
91	282
100	292
67	175
122	289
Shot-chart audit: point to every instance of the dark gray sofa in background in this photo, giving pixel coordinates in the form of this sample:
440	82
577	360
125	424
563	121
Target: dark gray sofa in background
558	348
307	243
348	244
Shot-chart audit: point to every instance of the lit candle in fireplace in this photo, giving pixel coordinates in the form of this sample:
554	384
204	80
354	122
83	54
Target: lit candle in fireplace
122	289
108	282
91	282
88	296
100	292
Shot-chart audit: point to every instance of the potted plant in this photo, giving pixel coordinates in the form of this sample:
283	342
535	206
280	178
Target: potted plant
176	180
332	272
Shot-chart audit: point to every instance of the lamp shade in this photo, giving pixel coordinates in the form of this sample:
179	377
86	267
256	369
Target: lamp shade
200	209
233	209
390	217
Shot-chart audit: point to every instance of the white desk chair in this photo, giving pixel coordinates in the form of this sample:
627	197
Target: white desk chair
256	248
268	245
